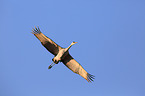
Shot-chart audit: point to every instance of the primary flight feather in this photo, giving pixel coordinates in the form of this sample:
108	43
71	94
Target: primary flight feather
62	55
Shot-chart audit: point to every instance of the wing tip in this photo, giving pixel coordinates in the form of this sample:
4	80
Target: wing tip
90	77
36	30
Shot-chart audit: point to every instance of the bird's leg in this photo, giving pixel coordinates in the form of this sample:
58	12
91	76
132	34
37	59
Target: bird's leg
50	66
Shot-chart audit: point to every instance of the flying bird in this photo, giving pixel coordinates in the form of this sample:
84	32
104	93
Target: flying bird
62	55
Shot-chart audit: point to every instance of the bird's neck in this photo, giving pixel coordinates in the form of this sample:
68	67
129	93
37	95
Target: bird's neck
69	47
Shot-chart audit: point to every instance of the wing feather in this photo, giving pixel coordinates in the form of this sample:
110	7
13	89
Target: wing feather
49	44
73	65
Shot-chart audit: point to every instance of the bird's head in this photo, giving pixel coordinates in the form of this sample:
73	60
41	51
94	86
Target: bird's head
73	43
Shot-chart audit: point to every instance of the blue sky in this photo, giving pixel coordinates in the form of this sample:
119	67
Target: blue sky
111	46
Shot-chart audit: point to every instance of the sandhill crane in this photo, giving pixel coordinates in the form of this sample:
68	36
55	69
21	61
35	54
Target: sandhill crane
62	55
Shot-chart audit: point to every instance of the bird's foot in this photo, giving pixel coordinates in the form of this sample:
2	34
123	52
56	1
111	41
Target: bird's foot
50	66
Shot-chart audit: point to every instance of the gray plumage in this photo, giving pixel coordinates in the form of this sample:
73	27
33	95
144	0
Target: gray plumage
62	55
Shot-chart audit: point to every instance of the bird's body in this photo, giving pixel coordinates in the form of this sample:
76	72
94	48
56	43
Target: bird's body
62	55
58	57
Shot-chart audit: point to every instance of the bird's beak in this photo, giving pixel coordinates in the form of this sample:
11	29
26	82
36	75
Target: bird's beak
75	42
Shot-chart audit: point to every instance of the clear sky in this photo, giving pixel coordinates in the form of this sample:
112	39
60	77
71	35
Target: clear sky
111	46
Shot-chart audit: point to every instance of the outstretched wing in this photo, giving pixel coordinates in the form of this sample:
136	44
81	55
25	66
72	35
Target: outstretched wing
73	65
50	45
